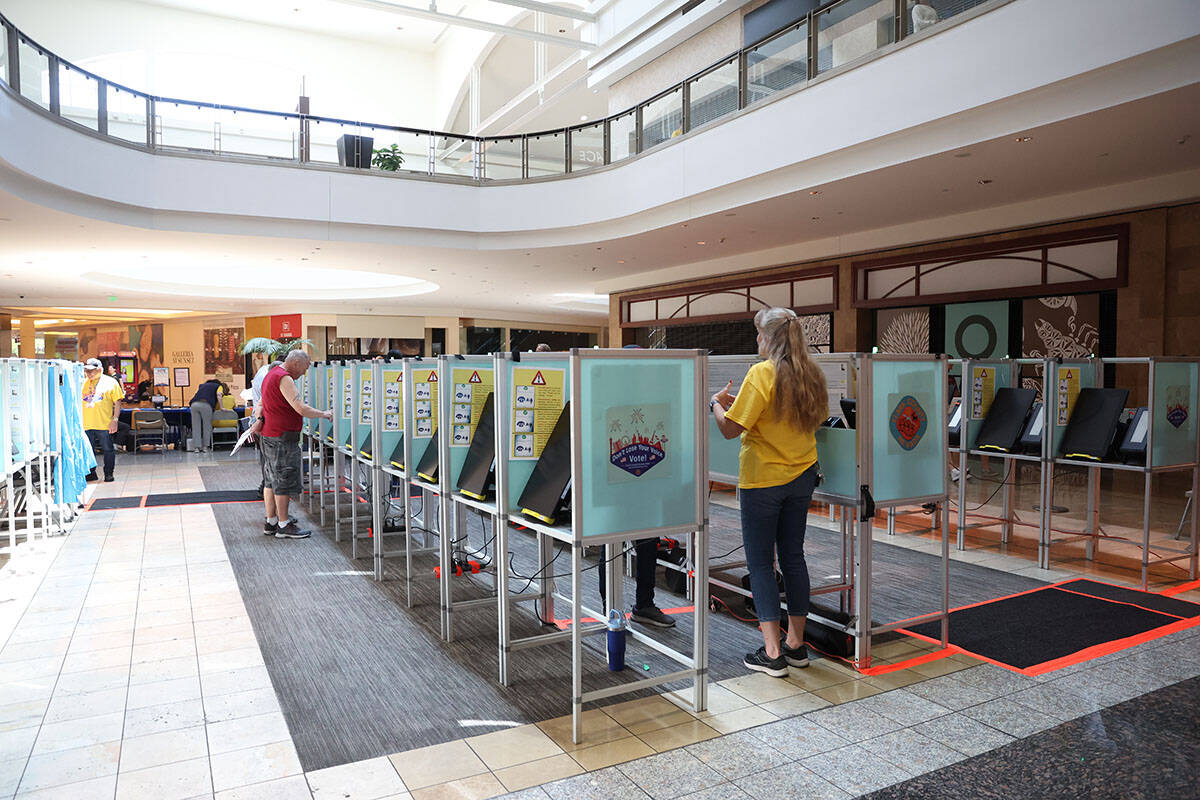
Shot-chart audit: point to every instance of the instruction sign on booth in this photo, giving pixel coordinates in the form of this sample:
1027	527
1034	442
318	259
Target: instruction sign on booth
536	403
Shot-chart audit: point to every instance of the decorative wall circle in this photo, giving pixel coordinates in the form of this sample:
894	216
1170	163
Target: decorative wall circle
965	326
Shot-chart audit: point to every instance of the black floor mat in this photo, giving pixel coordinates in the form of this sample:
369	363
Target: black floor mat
111	503
189	498
1121	594
1045	625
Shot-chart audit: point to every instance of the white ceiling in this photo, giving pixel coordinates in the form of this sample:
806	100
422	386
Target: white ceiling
43	253
335	18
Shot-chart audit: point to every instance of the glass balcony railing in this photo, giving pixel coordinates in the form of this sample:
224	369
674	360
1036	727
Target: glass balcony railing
839	34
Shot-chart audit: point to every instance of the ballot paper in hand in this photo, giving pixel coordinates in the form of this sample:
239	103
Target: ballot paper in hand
245	437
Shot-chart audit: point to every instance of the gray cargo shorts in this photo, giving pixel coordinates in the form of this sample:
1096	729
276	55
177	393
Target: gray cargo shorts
281	463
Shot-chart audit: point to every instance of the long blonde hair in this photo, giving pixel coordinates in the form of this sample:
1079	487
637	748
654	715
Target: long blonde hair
800	396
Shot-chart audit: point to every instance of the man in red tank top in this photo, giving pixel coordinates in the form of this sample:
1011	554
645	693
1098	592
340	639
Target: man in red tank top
278	428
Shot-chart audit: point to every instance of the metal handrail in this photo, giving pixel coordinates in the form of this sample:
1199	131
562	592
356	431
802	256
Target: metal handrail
477	172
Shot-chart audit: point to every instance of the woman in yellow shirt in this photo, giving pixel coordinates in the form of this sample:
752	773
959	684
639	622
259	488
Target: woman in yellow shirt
780	404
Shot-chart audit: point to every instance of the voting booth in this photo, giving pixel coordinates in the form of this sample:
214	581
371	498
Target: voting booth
883	445
1091	425
597	448
1000	416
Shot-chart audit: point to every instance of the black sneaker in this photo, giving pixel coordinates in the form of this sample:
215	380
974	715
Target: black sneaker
269	528
109	479
652	616
291	531
795	657
759	661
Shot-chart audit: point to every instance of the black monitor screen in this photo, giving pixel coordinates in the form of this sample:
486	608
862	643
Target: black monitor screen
479	466
955	425
849	411
397	458
1031	437
427	464
544	492
1093	422
1005	419
1133	445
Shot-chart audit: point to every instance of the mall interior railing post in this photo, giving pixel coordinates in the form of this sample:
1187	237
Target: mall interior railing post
52	74
432	154
812	45
102	106
743	79
14	58
151	122
685	97
524	156
567	151
607	140
637	136
477	158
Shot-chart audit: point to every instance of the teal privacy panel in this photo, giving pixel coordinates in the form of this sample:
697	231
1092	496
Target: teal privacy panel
18	398
979	389
324	395
638	443
1174	414
392	396
6	390
425	402
722	452
471	381
345	402
554	372
977	330
364	404
839	461
1065	382
908	448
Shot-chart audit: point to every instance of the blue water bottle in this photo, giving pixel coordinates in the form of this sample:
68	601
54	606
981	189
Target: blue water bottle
616	641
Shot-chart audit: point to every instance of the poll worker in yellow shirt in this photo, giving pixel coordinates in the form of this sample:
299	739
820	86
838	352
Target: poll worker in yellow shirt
780	405
101	407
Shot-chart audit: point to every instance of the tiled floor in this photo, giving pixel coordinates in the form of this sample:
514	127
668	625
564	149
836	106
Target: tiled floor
133	671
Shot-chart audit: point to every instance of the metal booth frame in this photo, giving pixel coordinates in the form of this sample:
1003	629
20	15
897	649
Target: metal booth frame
695	666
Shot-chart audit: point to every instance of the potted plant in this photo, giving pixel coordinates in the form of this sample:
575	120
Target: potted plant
274	350
388	158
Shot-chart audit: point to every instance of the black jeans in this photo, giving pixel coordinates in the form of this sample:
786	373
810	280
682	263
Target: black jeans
103	441
647	562
774	519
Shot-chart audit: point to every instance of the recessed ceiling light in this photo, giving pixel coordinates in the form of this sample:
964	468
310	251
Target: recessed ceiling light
731	214
962	155
620	261
984	181
583	117
815	218
814	192
1024	138
595	91
699	242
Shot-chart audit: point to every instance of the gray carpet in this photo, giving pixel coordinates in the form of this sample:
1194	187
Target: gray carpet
359	675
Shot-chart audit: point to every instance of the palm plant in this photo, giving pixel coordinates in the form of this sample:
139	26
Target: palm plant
274	350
